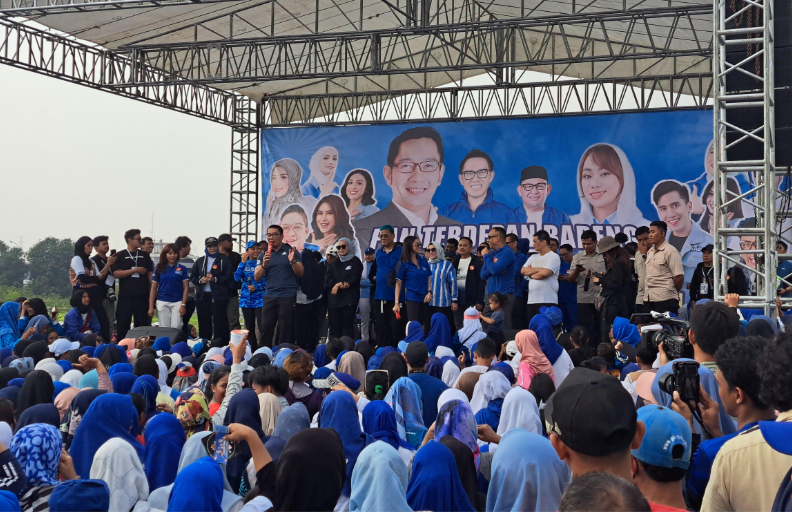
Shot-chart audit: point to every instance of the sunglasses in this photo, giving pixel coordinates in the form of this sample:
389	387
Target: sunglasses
341	246
431	250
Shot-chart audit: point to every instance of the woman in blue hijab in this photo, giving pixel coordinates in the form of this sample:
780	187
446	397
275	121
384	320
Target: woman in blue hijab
37	448
164	441
147	387
435	483
456	419
379	421
434	367
541	326
198	488
9	324
110	415
123	382
526	474
379	481
120	368
281	356
414	332
625	332
243	408
439	333
46	414
339	413
292	420
404	397
320	356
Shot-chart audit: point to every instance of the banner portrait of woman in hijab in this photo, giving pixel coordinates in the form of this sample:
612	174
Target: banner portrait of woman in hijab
323	167
285	190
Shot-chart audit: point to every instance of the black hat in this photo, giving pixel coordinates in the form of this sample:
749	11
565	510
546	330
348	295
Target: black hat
533	171
211	241
225	237
417	353
592	413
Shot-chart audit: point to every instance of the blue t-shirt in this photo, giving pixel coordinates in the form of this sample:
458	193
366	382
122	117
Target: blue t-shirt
567	292
279	274
431	389
498	316
170	287
415	279
498	270
386	262
783	270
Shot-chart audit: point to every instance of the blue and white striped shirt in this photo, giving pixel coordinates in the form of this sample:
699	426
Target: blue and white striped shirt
444	284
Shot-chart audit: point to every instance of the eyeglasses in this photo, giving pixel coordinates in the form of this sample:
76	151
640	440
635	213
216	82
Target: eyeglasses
385	235
431	250
339	247
530	186
748	245
481	173
273	235
408	167
493	236
293	227
512	242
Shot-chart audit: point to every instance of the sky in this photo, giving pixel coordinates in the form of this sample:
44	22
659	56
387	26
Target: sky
76	161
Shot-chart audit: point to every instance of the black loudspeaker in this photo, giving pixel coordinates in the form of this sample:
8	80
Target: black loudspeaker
175	335
737	82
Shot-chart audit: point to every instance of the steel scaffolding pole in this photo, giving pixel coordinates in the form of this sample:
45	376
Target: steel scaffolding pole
245	173
735	96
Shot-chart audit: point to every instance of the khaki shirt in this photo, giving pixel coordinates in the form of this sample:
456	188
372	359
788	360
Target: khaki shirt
640	271
747	473
595	262
662	264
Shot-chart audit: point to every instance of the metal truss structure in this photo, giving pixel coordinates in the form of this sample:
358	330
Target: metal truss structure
39	7
745	145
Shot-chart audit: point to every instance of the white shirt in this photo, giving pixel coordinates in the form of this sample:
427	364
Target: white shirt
535	218
562	367
462	270
416	220
544	291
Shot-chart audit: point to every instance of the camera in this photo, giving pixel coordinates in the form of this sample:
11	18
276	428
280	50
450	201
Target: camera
673	336
684	379
598	275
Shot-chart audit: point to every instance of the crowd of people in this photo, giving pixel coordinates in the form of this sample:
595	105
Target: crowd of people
421	378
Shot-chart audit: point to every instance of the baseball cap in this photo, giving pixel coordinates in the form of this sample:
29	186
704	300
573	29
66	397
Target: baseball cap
348	380
185	370
211	241
22	364
778	435
417	353
62	345
369	251
225	237
592	413
553	314
402	346
668	441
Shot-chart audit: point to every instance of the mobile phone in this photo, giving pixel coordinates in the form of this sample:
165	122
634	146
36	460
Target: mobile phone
221	446
579	266
333	381
112	252
687	380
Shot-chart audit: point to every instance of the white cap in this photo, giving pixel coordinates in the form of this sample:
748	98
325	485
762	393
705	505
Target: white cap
62	345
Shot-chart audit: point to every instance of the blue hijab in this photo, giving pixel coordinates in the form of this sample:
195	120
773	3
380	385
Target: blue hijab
379	421
434	367
110	415
435	484
88	350
147	386
123	382
281	356
553	315
380	483
292	420
198	488
491	415
6	353
37	448
624	331
541	326
526	474
89	380
46	414
10	393
320	356
243	408
67	366
9	502
375	362
415	332
439	333
710	385
9	328
59	386
504	368
165	438
120	368
181	348
405	398
339	412
162	344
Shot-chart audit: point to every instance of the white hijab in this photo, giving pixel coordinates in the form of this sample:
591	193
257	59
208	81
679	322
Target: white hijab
72	378
471	332
451	394
316	164
450	373
491	386
519	411
627	211
118	464
163	376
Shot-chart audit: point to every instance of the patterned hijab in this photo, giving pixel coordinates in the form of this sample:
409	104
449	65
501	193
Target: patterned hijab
405	398
192	411
118	465
456	419
37	448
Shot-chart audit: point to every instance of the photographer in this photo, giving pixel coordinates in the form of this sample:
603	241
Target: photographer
615	284
739	383
747	471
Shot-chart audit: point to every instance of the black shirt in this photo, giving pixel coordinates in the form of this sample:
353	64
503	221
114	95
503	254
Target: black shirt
133	286
100	265
678	242
234	258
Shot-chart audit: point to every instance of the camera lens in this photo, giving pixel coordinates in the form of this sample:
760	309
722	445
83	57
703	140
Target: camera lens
667	383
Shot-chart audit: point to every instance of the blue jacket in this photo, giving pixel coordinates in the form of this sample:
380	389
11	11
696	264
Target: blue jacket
490	211
498	270
549	216
519	282
73	322
245	273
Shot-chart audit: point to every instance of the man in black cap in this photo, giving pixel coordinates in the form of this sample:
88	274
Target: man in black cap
533	190
593	425
234	258
417	355
368	280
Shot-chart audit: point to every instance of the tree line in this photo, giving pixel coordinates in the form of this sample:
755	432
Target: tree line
41	270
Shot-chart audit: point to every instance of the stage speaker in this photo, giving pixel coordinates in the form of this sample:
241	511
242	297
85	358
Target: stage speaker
175	335
739	82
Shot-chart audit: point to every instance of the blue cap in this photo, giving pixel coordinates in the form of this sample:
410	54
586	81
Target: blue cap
778	435
84	495
403	346
553	314
665	430
368	250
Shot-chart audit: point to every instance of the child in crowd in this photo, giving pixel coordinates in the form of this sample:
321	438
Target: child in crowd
495	320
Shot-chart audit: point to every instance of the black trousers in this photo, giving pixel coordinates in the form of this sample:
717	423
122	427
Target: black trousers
615	306
519	314
189	309
213	318
665	306
306	329
386	326
277	311
417	312
446	311
128	307
589	317
342	321
533	310
251	316
98	295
